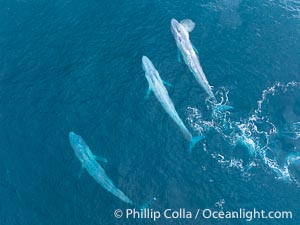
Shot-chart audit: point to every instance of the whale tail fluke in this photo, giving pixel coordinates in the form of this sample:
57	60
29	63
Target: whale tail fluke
194	141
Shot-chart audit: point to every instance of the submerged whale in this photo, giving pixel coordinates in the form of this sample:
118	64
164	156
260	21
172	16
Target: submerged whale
89	162
293	159
181	34
156	84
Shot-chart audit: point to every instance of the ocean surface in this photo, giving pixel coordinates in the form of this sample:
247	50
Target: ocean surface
70	65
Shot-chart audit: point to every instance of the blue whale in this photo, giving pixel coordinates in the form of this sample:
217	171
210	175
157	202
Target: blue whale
188	51
156	84
90	163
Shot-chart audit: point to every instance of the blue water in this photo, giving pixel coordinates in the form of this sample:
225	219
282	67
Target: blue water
76	66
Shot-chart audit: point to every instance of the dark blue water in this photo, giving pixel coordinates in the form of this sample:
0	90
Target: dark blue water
76	66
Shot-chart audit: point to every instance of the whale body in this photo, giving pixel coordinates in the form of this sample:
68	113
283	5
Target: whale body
156	84
181	34
90	163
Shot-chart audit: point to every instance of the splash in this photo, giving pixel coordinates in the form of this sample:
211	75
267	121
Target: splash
272	134
262	134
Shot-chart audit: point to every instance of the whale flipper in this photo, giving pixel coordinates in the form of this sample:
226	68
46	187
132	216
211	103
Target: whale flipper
194	141
167	83
178	56
148	92
101	159
188	25
195	49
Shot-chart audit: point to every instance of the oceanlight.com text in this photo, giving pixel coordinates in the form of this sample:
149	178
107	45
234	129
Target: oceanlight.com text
202	214
248	215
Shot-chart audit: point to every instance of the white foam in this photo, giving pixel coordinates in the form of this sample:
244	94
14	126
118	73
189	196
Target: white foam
257	139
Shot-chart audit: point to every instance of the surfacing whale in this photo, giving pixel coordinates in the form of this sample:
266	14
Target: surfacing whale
90	163
188	51
156	84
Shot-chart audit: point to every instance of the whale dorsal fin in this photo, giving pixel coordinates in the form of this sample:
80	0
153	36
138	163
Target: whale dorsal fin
188	25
